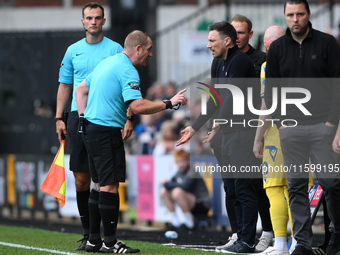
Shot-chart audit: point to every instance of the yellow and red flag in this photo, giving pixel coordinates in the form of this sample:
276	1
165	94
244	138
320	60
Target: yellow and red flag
54	183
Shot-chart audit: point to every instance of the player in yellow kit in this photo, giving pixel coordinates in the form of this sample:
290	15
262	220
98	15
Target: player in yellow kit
274	180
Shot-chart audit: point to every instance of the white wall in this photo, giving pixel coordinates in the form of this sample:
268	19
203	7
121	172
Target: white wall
171	65
44	19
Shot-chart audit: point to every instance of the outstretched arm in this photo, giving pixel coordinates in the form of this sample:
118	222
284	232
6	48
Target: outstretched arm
187	133
143	106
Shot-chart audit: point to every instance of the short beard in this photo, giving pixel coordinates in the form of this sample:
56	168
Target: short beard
95	33
302	31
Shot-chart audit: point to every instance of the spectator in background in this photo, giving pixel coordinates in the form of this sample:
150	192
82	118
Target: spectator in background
187	189
146	132
166	139
181	119
155	92
170	89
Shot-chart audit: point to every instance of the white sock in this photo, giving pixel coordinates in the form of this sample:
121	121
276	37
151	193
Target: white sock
234	236
174	220
268	233
280	243
292	246
189	220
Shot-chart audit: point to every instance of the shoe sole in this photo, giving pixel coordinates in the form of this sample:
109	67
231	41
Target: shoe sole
94	248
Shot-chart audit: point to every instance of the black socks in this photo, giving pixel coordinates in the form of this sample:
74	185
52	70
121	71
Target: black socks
83	209
95	217
109	210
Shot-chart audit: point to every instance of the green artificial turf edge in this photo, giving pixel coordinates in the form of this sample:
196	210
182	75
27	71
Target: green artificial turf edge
65	242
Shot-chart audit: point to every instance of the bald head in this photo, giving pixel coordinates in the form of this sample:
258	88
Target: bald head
271	34
137	47
135	38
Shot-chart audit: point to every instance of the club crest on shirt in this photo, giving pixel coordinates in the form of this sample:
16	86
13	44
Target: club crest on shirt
272	152
134	86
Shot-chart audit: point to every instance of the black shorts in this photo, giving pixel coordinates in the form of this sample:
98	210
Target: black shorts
200	208
106	153
78	153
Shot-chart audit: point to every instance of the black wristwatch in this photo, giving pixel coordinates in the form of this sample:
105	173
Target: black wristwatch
130	118
167	103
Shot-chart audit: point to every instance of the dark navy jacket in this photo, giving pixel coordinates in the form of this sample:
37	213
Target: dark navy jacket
237	65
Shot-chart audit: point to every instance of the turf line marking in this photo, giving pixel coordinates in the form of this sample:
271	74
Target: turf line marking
197	246
193	247
38	249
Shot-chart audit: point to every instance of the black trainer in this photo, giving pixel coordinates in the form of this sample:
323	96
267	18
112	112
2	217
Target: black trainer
319	250
89	247
119	247
301	250
334	245
239	247
82	244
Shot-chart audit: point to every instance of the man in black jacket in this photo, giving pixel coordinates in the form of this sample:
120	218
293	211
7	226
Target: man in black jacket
237	139
304	52
244	32
243	27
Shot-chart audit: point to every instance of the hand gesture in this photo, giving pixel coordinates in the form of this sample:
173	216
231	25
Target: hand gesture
214	130
179	98
187	133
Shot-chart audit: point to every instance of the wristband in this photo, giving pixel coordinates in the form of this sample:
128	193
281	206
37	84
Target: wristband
130	118
168	104
56	119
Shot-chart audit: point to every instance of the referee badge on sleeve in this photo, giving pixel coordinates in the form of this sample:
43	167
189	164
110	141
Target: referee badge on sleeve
134	86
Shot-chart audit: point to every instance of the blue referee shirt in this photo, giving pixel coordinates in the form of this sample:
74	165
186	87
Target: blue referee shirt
81	58
112	83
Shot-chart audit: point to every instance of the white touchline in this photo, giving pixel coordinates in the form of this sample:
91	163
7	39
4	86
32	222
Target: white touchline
34	248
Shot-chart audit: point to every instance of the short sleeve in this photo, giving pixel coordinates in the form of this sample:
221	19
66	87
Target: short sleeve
131	85
66	69
88	80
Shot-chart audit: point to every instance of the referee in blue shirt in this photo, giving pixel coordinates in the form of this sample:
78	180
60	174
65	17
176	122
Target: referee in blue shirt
104	97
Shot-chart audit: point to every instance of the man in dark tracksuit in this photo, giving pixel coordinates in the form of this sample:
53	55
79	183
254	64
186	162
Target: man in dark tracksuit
237	140
244	32
307	53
